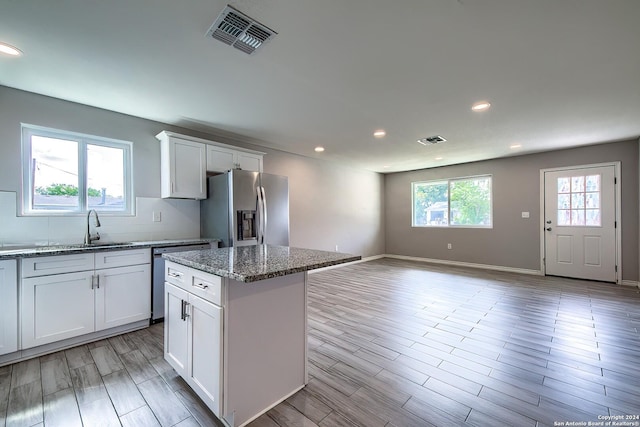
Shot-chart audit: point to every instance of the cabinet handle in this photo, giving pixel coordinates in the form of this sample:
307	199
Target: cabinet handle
184	313
201	286
98	281
95	281
174	274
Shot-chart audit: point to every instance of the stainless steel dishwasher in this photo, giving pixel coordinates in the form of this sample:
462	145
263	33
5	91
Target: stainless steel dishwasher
157	291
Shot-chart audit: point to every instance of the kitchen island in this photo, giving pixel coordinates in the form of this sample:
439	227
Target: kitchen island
236	324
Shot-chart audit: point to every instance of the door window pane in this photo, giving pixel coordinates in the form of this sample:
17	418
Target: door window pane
579	201
55	173
564	217
593	201
577	184
577	217
593	183
564	201
593	217
564	185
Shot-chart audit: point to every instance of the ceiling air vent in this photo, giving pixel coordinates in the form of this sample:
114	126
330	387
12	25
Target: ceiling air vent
436	139
238	30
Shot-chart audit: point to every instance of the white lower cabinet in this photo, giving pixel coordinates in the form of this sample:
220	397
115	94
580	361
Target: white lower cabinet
193	343
57	307
69	304
124	296
8	307
176	329
240	346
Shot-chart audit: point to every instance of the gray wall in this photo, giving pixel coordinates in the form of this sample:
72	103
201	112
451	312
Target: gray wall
513	242
331	204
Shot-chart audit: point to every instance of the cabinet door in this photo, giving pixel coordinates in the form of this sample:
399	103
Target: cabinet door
123	295
8	307
206	351
250	162
56	307
220	159
187	164
175	328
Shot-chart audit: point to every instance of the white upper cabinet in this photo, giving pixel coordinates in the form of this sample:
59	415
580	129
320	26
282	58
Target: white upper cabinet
222	158
187	159
183	167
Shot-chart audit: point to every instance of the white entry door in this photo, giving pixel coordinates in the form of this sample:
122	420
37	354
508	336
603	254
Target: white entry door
580	223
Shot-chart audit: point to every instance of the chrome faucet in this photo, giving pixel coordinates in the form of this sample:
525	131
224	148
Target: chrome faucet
88	238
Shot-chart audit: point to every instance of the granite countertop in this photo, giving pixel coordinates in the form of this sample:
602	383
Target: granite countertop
9	252
258	262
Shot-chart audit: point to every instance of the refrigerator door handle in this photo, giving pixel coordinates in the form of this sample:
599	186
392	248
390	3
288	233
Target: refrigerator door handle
264	212
260	213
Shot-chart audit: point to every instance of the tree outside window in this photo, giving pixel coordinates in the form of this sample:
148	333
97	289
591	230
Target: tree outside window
460	202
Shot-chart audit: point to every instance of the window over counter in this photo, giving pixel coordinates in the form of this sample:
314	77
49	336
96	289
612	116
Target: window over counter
69	172
456	202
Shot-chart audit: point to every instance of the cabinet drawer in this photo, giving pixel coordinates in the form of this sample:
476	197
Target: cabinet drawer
110	259
176	274
57	264
206	286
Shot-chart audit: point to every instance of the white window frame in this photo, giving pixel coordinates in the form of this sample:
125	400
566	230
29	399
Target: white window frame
449	181
83	140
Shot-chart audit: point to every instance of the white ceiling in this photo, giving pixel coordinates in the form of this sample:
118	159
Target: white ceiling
559	73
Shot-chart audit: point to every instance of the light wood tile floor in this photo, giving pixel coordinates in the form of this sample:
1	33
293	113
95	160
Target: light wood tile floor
400	343
391	343
120	381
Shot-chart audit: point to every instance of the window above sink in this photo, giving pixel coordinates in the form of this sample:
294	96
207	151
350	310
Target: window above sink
71	173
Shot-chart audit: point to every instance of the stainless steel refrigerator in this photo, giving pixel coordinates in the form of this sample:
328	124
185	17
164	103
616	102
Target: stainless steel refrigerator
246	208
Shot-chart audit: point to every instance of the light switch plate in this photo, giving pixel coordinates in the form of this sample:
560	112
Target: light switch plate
525	214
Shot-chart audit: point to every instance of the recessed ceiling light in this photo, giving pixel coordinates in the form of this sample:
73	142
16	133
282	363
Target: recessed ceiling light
379	133
514	146
9	50
481	106
319	149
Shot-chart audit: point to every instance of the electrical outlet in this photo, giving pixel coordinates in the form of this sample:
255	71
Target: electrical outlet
157	216
449	246
525	214
336	248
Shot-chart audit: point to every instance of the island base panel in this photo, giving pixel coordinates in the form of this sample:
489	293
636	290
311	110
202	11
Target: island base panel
265	344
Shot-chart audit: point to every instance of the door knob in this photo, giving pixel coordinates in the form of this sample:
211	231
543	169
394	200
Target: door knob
548	228
548	221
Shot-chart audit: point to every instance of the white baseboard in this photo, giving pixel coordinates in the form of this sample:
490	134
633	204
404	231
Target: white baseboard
331	267
41	350
456	264
466	264
630	283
